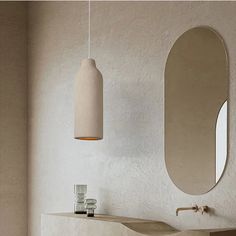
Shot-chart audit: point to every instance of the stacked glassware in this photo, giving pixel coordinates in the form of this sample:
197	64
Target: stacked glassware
80	194
90	205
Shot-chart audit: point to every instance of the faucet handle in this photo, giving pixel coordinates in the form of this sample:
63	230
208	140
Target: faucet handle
203	209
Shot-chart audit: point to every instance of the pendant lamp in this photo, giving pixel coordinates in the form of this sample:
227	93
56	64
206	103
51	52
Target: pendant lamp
88	99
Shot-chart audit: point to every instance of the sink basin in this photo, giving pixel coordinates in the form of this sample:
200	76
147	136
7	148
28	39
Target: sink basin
69	224
151	228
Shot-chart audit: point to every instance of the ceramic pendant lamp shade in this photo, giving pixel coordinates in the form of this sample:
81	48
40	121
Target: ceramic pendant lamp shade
89	102
89	98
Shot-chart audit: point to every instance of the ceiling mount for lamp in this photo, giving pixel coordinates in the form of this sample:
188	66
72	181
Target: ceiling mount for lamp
89	99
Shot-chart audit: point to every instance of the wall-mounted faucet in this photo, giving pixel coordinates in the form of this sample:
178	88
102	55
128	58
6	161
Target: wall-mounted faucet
195	208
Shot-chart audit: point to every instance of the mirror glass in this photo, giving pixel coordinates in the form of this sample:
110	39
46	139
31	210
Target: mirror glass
196	108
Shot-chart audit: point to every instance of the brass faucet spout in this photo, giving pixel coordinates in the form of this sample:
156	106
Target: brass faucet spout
194	208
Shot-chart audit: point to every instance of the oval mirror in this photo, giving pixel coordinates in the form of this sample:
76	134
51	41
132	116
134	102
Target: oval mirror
196	97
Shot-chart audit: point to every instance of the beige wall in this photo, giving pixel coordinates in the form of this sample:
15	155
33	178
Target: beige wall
126	170
13	114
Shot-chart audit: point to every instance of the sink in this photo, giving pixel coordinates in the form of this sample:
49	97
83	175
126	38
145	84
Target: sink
69	224
151	228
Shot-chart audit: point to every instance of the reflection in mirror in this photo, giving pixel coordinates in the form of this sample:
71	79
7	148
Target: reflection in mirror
221	141
196	86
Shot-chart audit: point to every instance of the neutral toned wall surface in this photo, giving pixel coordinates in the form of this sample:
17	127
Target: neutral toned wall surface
126	170
13	114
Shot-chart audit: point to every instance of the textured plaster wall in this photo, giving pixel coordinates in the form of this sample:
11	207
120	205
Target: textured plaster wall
125	171
13	122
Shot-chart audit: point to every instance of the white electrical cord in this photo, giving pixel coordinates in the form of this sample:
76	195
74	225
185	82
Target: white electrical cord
89	16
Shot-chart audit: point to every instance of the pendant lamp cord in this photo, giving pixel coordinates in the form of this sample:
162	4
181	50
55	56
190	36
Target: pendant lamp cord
89	19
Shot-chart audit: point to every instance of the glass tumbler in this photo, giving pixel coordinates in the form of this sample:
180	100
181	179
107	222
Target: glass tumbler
80	191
